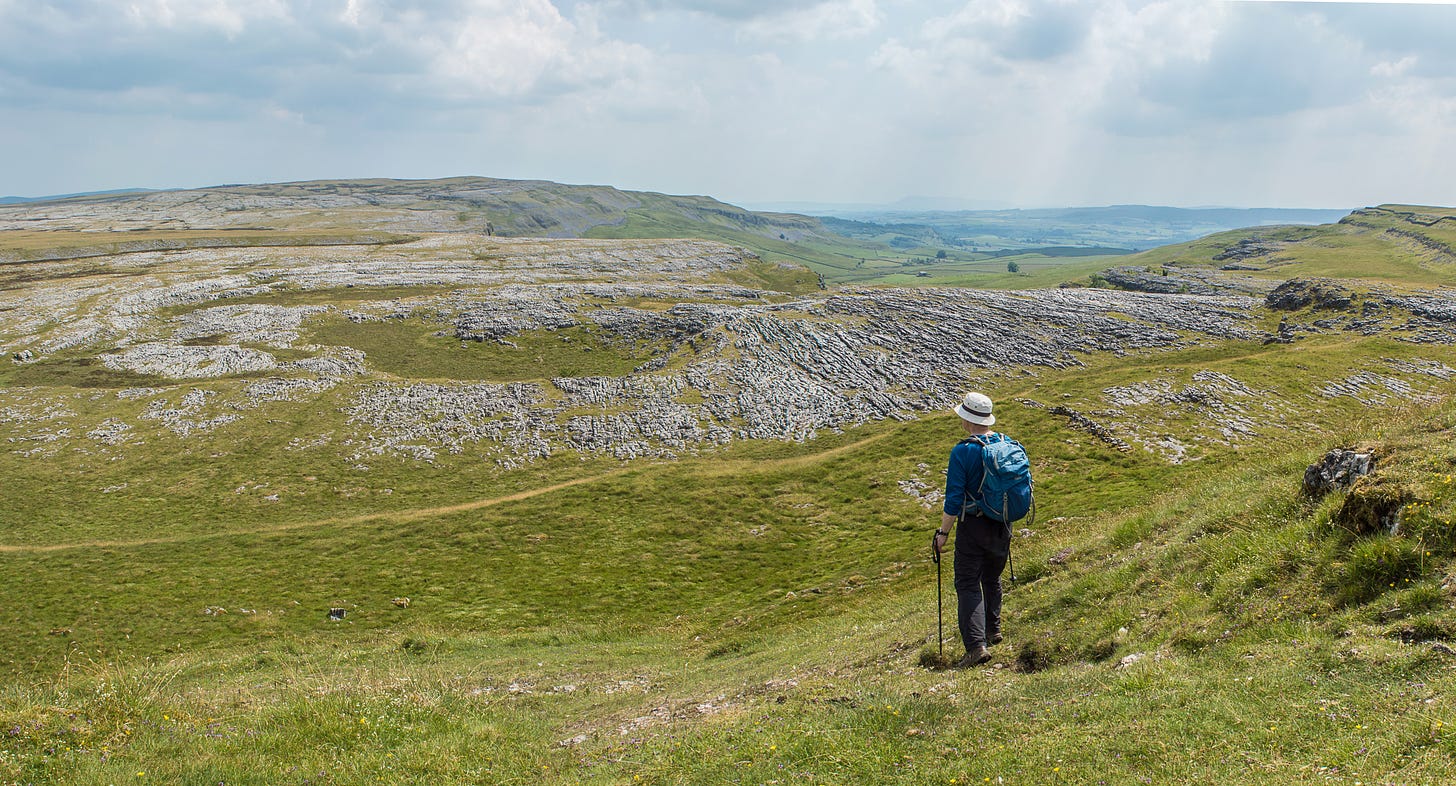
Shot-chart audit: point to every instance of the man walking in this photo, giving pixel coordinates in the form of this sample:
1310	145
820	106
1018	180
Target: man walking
983	544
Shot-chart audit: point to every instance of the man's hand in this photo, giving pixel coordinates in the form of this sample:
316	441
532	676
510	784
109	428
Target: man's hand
942	533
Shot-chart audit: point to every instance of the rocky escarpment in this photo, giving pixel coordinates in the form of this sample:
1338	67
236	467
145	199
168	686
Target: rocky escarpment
1171	280
1247	251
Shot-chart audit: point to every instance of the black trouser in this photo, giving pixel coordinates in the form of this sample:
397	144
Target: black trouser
981	549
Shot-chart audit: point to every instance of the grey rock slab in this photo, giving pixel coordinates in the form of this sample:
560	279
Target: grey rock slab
1336	471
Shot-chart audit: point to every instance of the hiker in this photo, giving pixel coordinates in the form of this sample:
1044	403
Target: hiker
983	544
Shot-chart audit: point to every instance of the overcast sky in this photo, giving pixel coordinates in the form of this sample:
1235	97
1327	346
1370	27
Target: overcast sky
1013	102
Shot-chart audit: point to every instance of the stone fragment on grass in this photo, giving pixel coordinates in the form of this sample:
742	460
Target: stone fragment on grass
1298	293
1335	471
1373	389
1130	659
185	419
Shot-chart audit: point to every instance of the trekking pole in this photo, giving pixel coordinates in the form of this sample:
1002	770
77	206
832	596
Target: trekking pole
939	625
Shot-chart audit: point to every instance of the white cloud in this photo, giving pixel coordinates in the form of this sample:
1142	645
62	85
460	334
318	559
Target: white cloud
1388	69
229	16
1030	101
835	19
308	57
737	10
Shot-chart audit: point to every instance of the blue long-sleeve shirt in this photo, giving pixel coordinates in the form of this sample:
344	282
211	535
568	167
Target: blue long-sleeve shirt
963	474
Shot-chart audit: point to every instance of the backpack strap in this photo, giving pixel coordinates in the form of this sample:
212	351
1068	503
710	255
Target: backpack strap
982	441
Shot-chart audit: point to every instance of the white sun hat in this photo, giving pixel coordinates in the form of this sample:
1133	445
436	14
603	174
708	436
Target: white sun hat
976	409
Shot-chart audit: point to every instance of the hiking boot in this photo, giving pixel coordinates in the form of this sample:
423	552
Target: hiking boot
996	637
975	657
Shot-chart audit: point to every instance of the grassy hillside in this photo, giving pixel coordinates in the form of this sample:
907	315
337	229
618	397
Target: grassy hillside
1393	244
740	616
335	569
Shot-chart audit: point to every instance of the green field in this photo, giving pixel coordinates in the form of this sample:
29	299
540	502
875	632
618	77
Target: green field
756	611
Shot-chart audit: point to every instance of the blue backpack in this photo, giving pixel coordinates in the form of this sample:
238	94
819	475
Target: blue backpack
1005	493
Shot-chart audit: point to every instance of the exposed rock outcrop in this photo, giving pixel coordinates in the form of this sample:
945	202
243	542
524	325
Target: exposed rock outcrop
1298	293
1172	280
187	362
1336	471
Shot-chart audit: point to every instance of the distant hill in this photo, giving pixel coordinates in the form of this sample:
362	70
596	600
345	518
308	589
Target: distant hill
1402	244
382	210
16	200
1135	227
511	208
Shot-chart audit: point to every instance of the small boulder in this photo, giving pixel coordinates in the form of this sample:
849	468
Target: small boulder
1336	471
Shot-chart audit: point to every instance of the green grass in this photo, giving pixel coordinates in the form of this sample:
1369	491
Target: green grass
841	260
752	614
793	279
1036	272
1374	245
783	587
823	256
79	372
413	349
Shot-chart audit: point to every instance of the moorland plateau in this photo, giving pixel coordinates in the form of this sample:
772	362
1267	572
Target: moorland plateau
498	481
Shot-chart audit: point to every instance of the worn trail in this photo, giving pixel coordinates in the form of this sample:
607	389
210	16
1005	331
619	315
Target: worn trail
415	514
